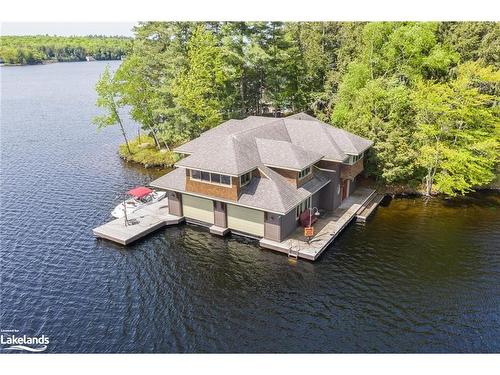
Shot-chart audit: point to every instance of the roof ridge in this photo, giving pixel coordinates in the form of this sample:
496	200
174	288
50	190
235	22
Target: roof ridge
331	126
324	127
256	127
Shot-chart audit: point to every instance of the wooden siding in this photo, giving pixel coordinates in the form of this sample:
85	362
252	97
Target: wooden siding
174	203
351	171
291	176
329	196
213	190
272	226
315	202
288	224
326	164
307	178
352	185
220	214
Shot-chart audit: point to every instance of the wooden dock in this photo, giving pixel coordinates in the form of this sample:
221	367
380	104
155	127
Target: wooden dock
140	223
327	229
369	207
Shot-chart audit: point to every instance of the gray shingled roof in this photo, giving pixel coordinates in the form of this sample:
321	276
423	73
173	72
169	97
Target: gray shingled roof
302	116
314	135
273	194
285	154
222	155
236	146
174	180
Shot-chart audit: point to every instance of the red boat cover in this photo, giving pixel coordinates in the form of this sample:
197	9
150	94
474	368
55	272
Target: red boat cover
140	191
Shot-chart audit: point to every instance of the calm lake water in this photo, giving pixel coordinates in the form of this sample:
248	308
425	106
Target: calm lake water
419	277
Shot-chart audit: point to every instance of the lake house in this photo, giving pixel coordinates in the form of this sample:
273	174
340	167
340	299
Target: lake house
257	176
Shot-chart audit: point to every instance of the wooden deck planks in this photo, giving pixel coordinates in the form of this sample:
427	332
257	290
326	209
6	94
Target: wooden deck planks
369	207
141	223
327	228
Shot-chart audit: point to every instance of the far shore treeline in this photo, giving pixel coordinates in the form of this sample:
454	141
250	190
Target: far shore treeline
38	49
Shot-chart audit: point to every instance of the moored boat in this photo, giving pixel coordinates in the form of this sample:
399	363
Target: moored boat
140	197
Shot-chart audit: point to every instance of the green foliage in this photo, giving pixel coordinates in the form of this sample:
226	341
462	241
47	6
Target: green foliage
427	93
199	87
143	151
458	131
474	40
107	100
374	97
37	49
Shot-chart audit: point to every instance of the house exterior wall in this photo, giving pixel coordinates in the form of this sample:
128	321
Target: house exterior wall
174	203
288	224
351	171
272	226
290	176
213	190
352	185
329	196
307	178
293	176
315	201
220	218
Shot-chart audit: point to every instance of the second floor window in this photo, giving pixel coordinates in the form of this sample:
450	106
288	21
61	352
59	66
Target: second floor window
304	172
245	178
213	178
354	158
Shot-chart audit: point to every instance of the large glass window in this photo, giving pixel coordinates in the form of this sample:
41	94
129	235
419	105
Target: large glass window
214	178
303	206
195	175
205	176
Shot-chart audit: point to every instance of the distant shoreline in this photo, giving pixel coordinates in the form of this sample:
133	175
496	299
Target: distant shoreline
48	62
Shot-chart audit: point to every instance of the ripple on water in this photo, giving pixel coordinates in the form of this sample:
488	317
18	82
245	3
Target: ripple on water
419	277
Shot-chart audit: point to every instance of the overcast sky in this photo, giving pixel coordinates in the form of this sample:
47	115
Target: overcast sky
67	28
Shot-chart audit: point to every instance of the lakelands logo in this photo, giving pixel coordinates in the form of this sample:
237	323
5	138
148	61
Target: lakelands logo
24	343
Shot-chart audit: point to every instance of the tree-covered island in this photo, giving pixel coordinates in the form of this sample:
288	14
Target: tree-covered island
38	49
427	94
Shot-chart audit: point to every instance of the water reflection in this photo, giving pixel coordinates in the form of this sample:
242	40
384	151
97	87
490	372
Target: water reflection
421	276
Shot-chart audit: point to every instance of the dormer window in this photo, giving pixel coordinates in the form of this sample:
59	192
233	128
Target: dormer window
304	172
354	158
245	178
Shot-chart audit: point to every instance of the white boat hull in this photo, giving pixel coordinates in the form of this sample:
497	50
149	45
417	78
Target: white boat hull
133	205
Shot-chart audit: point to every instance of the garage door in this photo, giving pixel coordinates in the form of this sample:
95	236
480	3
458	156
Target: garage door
245	220
198	208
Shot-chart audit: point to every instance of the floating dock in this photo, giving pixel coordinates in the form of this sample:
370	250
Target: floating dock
361	204
327	228
140	223
369	207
